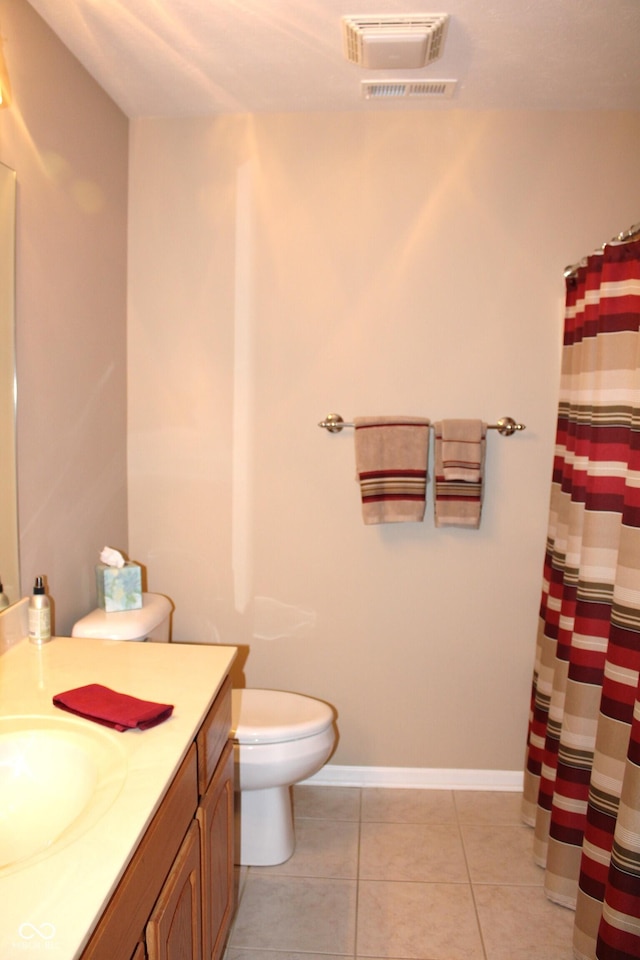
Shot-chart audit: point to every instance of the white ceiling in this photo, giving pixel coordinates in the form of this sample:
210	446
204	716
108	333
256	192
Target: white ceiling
200	57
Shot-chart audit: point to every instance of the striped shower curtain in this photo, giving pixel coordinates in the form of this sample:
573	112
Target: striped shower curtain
582	773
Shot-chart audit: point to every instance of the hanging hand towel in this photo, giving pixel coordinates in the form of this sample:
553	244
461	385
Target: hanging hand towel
391	462
112	709
462	449
458	502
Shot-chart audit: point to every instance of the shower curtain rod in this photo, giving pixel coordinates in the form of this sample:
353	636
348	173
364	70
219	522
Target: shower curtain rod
631	234
506	426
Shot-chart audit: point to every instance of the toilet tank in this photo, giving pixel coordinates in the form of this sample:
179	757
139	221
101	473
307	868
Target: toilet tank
151	622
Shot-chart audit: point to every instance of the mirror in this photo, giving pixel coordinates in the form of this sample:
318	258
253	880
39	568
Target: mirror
9	557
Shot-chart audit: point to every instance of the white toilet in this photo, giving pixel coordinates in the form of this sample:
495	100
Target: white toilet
279	739
152	621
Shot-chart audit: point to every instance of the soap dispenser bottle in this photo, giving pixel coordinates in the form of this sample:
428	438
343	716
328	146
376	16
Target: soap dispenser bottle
39	615
4	599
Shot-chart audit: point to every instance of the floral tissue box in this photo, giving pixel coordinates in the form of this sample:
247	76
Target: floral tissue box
119	588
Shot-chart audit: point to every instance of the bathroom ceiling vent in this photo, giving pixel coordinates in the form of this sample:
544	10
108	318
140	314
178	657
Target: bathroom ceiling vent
394	42
408	89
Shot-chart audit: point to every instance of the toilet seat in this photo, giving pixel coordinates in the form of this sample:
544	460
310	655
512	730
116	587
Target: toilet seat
275	716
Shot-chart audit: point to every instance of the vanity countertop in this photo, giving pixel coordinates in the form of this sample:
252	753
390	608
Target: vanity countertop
51	902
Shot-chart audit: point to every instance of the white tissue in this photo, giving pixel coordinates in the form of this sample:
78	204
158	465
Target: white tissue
112	558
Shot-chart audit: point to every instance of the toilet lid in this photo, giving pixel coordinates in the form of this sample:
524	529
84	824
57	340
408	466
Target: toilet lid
274	716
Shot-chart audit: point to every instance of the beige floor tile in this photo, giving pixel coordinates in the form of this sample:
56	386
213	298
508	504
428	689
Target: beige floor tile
412	851
240	875
501	854
489	807
324	848
233	953
408	805
326	803
416	850
290	914
417	921
519	923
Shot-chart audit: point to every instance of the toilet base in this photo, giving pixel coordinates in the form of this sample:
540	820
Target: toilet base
264	827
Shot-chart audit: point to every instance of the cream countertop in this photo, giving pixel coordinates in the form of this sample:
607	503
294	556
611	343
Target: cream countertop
51	902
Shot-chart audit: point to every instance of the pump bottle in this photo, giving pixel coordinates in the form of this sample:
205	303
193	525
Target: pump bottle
39	615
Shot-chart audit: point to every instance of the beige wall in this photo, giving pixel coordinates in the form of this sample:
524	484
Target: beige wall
283	267
68	144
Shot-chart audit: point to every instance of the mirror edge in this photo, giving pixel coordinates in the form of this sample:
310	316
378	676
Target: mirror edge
9	537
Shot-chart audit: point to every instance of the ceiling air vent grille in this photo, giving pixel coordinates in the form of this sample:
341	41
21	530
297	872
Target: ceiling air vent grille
391	41
408	89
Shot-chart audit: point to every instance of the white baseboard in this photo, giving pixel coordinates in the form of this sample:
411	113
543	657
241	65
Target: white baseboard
423	778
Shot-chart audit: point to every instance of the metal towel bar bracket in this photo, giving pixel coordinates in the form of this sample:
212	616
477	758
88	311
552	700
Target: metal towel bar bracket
506	426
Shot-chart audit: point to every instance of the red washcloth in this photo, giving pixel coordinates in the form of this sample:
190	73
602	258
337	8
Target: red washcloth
113	709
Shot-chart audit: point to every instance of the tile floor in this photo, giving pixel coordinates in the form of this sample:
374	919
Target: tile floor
404	875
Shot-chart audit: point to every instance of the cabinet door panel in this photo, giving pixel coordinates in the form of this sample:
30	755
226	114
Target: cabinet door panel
213	736
174	931
215	814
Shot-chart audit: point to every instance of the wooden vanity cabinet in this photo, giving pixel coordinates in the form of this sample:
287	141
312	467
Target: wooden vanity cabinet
215	817
175	900
174	930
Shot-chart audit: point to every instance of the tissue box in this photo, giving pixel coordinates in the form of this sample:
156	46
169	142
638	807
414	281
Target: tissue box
119	588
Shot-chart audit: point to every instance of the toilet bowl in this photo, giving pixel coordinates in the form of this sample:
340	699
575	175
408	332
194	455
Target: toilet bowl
279	738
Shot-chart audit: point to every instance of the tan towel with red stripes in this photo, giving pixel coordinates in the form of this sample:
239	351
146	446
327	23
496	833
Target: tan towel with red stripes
459	472
391	462
462	449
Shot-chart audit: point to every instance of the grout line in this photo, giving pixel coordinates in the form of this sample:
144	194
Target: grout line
357	905
471	886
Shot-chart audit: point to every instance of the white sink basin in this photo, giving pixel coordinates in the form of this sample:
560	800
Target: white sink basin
57	778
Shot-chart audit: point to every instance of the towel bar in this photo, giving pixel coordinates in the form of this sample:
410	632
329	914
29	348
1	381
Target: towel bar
506	426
